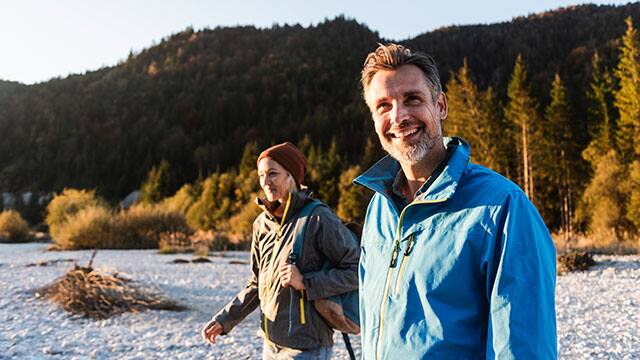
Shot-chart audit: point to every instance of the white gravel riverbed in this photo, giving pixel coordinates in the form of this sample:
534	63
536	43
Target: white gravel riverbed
598	311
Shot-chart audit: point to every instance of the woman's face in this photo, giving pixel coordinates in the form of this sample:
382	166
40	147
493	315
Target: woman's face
275	181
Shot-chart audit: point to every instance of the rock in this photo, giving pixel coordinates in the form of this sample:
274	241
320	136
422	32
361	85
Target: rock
130	199
574	261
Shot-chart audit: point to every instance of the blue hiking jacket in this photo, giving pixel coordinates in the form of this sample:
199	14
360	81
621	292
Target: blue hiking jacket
465	271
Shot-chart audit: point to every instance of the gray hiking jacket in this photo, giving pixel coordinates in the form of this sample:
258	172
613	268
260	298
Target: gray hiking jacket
326	238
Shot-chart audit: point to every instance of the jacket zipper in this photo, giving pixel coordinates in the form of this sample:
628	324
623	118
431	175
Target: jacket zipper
273	258
392	265
407	252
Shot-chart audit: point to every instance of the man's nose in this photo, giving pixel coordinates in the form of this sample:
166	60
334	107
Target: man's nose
398	113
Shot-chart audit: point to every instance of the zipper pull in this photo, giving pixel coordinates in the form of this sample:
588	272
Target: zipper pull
409	246
394	255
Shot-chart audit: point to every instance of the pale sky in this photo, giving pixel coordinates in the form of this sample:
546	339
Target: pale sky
44	39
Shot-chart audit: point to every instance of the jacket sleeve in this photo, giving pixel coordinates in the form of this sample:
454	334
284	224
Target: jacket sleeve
521	276
247	299
340	246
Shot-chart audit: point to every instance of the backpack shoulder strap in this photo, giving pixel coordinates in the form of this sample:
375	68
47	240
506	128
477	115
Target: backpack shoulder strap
301	229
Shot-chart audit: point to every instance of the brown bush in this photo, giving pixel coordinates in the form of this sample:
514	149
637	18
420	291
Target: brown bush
88	293
219	241
66	205
12	227
139	227
174	243
89	228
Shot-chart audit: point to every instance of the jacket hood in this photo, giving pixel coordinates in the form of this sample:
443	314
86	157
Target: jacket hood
381	175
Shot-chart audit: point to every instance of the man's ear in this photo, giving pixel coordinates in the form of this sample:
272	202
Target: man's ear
442	106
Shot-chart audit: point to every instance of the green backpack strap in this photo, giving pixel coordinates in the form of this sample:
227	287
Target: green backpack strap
300	230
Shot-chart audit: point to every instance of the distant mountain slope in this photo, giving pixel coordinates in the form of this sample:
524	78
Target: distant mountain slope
197	98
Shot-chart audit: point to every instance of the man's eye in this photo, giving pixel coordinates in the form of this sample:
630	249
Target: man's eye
414	100
382	107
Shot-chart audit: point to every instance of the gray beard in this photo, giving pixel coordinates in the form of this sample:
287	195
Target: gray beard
410	155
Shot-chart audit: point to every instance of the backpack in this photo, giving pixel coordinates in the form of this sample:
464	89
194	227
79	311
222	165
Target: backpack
341	311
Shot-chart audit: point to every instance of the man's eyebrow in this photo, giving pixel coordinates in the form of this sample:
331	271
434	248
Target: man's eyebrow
413	93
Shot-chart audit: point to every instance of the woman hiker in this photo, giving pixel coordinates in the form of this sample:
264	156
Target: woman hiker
284	291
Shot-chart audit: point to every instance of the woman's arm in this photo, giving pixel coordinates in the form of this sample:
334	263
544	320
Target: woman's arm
340	246
247	299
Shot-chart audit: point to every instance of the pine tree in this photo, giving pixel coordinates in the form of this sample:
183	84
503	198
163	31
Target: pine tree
353	199
473	117
600	96
157	185
329	177
372	153
522	113
499	134
633	205
559	170
602	156
627	101
462	96
627	98
248	160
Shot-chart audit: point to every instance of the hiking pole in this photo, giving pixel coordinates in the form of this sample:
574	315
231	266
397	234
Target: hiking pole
347	343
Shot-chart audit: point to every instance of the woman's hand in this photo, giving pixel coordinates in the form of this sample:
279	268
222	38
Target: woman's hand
211	330
291	276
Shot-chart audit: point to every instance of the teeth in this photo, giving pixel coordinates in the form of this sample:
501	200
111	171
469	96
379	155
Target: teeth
404	133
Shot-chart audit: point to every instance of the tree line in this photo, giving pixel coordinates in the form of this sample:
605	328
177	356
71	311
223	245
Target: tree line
537	98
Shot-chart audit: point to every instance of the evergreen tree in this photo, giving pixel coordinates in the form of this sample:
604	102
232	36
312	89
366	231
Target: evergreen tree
157	186
463	119
627	101
499	134
329	175
559	172
627	98
600	153
601	112
353	201
474	116
248	159
522	113
372	152
633	205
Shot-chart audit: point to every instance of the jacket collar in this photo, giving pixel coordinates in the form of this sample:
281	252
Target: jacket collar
298	200
380	176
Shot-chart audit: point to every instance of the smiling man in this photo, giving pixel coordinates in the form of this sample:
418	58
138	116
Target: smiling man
456	262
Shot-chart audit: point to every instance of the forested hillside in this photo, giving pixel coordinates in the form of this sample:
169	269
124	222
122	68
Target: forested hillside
196	99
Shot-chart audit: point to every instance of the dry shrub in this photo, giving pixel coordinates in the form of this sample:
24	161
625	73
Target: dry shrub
67	204
604	241
87	229
12	227
139	227
219	241
182	200
241	224
89	293
174	243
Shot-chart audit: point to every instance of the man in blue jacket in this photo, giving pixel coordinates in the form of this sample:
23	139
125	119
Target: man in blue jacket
456	262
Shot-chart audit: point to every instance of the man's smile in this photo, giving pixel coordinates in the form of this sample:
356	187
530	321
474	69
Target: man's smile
404	133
